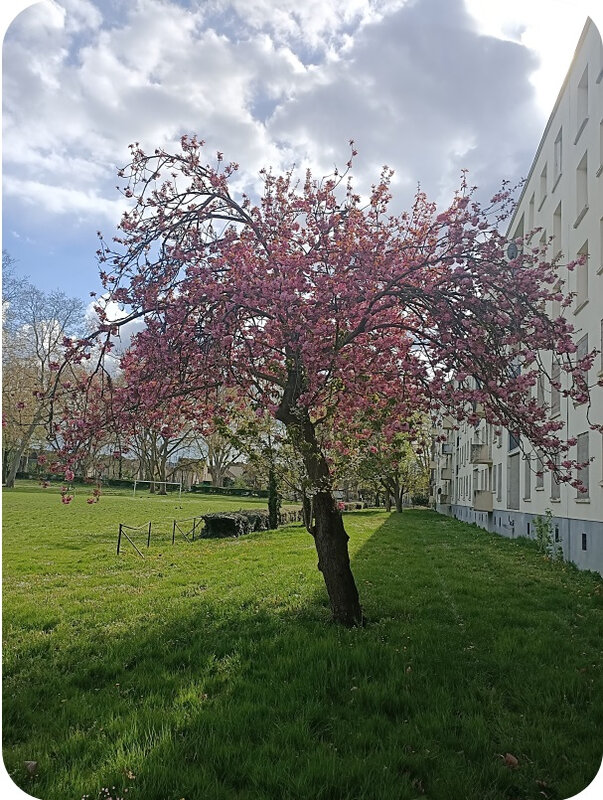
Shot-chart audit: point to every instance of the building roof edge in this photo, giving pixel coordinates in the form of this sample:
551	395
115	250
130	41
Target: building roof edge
587	26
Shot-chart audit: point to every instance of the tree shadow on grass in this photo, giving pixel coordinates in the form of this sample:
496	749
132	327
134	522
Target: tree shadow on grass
264	699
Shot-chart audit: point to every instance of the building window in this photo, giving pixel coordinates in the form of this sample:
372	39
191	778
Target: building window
540	391
543	186
557	247
582	352
600	170
601	364
584	541
582	277
531	207
556	304
558	154
499	484
555	388
555	485
581	189
557	537
582	458
582	347
527	484
539	471
582	104
513	481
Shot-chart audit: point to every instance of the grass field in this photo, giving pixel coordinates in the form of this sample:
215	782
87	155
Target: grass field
210	671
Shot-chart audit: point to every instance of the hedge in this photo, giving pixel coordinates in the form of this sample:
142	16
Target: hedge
355	505
234	523
287	517
229	490
220	524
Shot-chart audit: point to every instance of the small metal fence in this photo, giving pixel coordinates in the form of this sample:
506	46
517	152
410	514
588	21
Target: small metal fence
188	535
188	532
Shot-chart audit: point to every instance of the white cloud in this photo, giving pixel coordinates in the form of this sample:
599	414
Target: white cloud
416	83
408	92
61	200
122	341
80	15
313	25
73	107
550	28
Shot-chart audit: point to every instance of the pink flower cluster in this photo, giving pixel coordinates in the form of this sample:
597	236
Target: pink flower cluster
318	308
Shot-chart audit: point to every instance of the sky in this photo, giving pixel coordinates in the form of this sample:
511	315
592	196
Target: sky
428	87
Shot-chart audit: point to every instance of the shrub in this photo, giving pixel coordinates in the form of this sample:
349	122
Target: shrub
222	524
545	536
287	517
257	520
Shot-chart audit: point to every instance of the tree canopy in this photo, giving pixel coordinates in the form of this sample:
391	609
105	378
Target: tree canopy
323	308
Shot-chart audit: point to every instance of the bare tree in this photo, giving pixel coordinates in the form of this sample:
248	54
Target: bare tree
35	324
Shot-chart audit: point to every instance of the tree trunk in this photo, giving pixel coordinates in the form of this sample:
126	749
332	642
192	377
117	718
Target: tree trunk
274	501
328	531
163	457
18	452
331	542
217	478
307	511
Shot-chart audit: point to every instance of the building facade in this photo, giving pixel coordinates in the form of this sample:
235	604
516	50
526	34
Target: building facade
488	479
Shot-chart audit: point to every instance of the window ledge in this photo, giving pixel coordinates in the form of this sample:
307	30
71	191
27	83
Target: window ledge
539	489
580	129
527	499
600	270
542	202
580	216
599	171
556	181
584	501
581	305
555	499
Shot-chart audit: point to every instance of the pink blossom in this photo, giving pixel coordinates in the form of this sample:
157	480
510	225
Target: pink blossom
334	316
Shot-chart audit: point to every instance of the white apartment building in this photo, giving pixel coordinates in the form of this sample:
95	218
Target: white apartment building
487	479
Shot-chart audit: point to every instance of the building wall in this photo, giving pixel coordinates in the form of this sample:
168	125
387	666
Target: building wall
563	196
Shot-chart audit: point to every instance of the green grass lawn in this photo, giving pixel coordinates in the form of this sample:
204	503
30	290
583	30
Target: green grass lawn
210	670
